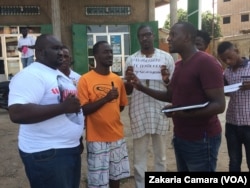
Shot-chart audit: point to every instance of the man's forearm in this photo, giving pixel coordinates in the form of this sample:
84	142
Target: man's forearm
157	94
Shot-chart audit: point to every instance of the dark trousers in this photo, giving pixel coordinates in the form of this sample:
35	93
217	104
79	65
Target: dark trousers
53	168
237	136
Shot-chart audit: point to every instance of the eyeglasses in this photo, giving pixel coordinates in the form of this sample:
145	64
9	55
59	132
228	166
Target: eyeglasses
145	35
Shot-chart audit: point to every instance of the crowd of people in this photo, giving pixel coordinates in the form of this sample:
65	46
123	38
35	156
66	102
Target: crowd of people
56	108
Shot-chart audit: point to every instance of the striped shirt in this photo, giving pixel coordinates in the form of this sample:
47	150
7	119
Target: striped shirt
238	110
144	111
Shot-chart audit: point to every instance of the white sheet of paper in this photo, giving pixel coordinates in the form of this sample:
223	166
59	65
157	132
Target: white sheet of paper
172	109
147	68
232	87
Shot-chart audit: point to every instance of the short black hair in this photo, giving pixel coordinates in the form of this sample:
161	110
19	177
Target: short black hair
204	35
96	46
24	28
142	27
223	46
190	29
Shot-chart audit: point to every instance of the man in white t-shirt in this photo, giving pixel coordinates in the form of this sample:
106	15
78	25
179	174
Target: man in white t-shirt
66	66
44	102
26	45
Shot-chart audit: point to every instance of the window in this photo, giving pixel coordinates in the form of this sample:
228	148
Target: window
244	17
226	20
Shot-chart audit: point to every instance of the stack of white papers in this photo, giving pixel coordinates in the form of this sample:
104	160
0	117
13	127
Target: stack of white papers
232	88
178	108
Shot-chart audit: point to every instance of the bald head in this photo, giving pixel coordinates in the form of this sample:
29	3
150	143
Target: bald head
48	50
182	38
189	29
43	40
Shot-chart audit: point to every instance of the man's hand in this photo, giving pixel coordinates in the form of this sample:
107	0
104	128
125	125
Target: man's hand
132	79
112	94
128	74
129	87
71	104
165	74
245	85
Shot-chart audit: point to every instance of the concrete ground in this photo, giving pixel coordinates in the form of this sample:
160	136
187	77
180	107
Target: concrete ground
12	171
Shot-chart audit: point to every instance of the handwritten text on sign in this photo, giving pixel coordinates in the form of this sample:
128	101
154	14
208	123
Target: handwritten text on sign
147	68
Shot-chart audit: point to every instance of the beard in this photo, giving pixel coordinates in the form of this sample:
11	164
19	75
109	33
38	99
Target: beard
147	46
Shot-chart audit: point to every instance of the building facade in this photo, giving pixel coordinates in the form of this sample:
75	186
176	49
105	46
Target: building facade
235	23
235	16
79	24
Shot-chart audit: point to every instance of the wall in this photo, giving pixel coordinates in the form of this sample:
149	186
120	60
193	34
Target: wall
73	11
43	18
241	41
234	9
232	31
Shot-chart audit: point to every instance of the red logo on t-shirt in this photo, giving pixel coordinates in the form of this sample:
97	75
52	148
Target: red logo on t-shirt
55	91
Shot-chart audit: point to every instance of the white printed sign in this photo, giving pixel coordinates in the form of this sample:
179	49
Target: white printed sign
147	68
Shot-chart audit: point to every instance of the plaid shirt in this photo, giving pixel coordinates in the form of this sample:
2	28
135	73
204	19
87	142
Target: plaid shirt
238	110
144	111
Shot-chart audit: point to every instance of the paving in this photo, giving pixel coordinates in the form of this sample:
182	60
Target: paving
12	171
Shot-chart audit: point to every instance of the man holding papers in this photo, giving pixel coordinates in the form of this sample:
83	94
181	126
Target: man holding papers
238	112
147	121
197	79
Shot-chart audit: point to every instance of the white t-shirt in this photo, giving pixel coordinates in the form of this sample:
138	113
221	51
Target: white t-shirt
67	86
38	84
74	76
28	41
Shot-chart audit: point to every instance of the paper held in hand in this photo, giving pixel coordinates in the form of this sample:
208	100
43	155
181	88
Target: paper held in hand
147	68
232	88
179	108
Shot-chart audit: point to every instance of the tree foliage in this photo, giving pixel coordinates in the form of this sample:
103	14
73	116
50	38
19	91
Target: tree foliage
207	22
181	17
